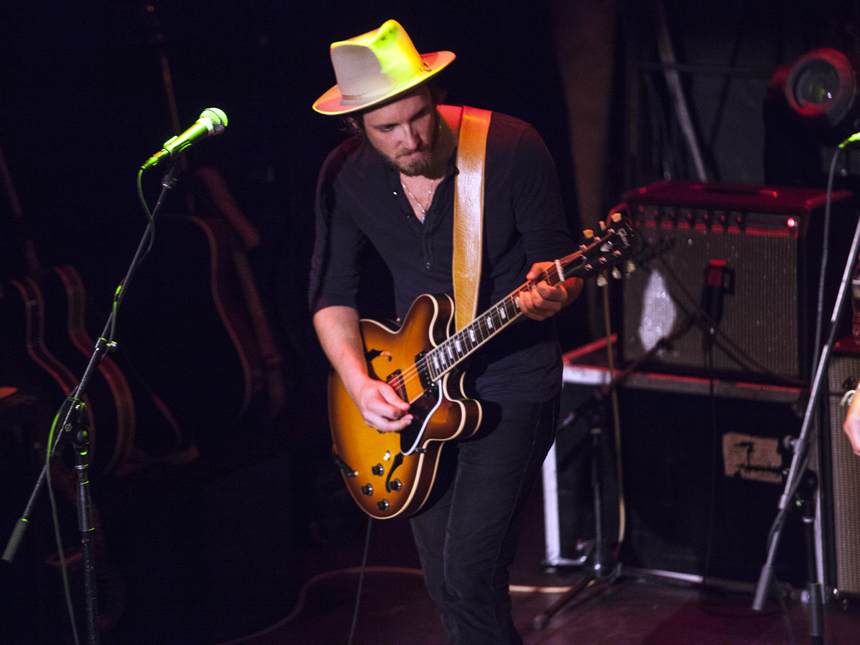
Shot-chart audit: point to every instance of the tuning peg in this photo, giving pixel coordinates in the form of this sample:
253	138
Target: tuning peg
616	217
616	274
630	266
588	234
602	226
601	280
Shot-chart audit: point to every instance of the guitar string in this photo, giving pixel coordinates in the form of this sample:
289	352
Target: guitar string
413	372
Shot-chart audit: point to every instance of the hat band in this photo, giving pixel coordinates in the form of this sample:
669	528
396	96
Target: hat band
357	99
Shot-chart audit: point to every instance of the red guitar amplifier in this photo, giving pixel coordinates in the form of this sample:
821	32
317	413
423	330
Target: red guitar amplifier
729	273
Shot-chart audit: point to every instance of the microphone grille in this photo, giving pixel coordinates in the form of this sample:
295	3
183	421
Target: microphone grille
217	117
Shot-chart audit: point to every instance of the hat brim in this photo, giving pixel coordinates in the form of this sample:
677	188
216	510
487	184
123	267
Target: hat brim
332	102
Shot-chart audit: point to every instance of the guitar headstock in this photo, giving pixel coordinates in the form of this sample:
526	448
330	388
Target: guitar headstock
614	245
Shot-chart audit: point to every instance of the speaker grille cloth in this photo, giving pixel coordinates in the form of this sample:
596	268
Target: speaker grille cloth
843	373
758	331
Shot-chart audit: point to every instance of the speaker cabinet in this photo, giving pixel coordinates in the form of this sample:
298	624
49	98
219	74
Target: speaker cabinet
703	471
746	257
841	483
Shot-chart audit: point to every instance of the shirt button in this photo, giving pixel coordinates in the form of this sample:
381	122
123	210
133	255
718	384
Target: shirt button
427	264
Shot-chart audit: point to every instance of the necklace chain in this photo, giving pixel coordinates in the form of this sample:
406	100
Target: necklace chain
417	201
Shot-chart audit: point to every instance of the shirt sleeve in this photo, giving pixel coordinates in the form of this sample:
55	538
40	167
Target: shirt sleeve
537	203
334	276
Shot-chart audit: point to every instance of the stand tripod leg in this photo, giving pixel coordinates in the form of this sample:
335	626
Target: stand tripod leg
806	496
86	526
595	562
542	620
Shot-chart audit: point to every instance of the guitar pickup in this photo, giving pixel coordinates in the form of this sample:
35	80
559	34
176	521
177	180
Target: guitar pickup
395	380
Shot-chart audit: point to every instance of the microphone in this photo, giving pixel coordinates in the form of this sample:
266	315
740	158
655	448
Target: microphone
211	122
719	280
852	139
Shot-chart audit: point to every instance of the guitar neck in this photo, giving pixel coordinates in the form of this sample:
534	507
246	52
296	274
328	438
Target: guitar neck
453	351
601	254
462	344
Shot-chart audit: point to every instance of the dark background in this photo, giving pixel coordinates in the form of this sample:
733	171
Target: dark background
83	103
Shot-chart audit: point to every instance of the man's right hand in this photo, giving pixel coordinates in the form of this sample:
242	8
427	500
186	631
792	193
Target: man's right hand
338	330
380	407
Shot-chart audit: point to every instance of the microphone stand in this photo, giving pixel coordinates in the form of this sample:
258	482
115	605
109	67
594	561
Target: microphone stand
71	428
603	566
798	466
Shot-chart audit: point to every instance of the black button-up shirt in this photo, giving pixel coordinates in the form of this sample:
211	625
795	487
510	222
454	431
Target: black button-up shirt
360	199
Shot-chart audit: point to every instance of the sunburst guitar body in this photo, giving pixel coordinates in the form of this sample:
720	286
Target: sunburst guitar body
392	473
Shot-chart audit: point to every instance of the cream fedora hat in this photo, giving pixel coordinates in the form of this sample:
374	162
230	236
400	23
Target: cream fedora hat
375	67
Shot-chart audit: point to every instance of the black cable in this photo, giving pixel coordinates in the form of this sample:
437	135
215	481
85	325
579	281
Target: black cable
825	254
360	580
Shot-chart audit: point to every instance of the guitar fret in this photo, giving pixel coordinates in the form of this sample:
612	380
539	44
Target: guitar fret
434	364
559	273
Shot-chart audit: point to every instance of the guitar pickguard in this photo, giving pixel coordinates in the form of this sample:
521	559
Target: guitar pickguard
421	409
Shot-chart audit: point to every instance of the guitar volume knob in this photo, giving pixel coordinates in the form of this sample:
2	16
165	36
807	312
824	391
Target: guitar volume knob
378	470
395	485
367	489
382	505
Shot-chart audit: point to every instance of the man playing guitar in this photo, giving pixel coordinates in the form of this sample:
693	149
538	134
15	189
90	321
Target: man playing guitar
392	185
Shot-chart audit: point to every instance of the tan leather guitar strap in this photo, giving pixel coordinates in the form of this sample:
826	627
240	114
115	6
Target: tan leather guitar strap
469	213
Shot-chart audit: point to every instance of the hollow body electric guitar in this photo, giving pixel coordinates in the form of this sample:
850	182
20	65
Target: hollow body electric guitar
392	473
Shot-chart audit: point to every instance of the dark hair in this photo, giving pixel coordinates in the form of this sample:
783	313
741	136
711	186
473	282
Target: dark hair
353	123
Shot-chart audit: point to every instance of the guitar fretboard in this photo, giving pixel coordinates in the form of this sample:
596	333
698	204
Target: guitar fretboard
599	255
459	346
450	353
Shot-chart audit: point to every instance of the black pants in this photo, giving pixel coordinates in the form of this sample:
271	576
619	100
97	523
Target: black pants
467	535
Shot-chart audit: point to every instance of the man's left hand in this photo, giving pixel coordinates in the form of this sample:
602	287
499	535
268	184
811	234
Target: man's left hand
544	300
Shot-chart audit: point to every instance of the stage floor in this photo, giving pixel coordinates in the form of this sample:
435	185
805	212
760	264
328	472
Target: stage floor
633	610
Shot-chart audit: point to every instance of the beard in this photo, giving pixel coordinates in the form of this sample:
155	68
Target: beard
420	165
413	167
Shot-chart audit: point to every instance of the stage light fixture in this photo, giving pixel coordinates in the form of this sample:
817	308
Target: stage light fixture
822	86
